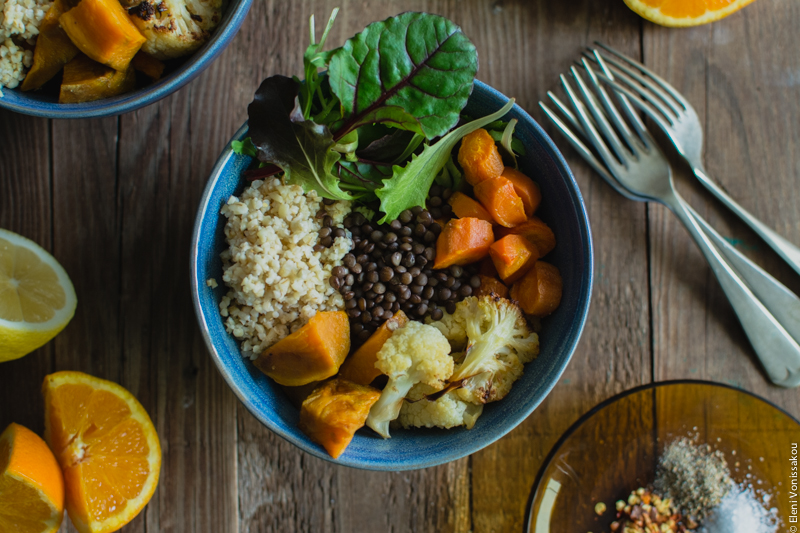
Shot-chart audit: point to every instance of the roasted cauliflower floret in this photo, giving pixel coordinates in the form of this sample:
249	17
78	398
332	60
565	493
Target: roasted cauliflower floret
176	28
415	353
499	344
446	412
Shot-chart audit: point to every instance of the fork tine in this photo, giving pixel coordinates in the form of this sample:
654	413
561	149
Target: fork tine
667	98
561	106
611	137
591	132
630	112
639	102
649	73
647	95
633	142
586	153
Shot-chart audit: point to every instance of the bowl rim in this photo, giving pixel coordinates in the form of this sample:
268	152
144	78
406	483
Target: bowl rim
587	281
150	94
608	401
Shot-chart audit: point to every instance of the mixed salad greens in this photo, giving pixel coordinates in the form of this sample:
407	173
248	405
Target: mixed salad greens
378	125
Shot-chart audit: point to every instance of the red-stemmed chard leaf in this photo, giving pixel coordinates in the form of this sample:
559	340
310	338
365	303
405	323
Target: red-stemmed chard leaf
413	71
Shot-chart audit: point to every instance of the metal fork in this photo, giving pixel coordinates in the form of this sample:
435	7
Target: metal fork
639	170
675	115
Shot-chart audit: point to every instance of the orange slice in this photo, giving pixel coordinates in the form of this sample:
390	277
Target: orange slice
677	13
31	483
107	447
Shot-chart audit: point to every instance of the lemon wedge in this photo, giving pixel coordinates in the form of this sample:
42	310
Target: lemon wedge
37	299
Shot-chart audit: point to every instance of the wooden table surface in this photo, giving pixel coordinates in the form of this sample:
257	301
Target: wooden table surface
114	200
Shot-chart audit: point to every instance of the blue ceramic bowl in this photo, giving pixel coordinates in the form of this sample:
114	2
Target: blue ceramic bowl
562	208
46	105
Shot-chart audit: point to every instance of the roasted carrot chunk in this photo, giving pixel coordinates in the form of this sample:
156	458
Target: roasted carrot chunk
312	353
526	189
513	256
102	30
539	291
332	414
463	241
500	199
491	285
53	49
479	157
148	65
360	367
535	231
464	207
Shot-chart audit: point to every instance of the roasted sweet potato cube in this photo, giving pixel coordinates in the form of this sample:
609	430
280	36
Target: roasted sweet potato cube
312	353
332	414
360	367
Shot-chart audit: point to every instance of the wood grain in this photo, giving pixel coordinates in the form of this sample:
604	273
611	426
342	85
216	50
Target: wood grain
738	76
114	200
25	208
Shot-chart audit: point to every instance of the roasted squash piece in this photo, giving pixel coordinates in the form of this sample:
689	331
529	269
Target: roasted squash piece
148	65
360	367
479	157
463	241
86	80
312	353
539	291
332	414
54	49
102	30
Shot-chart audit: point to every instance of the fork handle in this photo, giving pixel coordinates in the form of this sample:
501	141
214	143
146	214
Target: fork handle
788	251
774	346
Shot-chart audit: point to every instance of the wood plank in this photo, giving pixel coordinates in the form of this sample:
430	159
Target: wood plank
510	38
740	78
86	235
26	209
281	488
528	46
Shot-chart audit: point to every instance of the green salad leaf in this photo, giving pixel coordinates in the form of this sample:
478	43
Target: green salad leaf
408	187
282	136
413	71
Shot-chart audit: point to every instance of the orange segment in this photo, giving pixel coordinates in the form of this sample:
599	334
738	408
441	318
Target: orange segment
685	12
31	483
106	446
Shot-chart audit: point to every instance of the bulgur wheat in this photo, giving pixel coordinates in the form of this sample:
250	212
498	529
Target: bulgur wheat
277	281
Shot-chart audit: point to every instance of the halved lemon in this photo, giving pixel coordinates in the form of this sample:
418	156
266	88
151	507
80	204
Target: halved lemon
676	13
37	299
31	483
107	447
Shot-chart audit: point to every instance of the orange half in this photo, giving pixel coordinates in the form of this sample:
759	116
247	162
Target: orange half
31	484
676	13
107	447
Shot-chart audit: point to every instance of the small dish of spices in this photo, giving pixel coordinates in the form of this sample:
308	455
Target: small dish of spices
678	456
